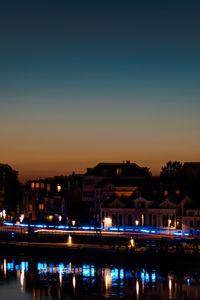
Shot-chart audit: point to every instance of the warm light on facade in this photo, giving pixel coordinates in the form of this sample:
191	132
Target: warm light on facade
50	218
41	206
142	219
21	218
4	214
119	171
48	187
107	222
60	218
58	188
136	222
37	185
73	222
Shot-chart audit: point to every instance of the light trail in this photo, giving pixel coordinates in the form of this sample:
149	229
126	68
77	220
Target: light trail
112	231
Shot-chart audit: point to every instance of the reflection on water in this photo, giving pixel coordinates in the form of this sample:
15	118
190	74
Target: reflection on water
66	280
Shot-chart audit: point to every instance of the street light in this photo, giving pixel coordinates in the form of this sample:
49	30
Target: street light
136	223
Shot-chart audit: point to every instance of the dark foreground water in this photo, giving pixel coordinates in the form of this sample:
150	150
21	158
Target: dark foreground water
26	279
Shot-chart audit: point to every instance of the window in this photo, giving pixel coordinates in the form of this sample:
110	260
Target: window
48	187
119	171
114	219
42	185
32	185
41	206
37	185
165	193
142	220
154	221
143	204
150	220
129	220
120	220
58	188
165	220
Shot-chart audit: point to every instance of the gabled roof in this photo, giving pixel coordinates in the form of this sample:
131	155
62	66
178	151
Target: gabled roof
167	204
127	169
117	203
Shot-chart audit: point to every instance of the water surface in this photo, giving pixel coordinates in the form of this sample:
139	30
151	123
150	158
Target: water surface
28	279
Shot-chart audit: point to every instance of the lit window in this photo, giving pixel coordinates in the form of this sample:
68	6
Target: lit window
165	192
42	185
107	222
32	185
58	188
50	218
119	171
41	206
142	220
48	187
37	185
177	192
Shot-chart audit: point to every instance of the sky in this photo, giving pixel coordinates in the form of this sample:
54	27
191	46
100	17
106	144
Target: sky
83	82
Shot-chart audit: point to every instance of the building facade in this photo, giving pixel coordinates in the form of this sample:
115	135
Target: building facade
51	198
105	176
137	210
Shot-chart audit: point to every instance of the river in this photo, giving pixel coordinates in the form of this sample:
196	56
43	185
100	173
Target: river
27	278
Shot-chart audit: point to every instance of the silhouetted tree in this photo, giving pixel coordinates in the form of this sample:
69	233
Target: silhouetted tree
172	169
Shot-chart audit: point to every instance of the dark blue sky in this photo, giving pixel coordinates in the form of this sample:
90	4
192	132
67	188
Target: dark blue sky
88	81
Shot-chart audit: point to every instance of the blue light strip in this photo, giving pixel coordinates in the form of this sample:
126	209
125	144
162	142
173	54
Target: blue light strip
133	229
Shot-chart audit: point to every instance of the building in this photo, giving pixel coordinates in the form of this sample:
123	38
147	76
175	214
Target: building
11	193
139	210
51	198
104	177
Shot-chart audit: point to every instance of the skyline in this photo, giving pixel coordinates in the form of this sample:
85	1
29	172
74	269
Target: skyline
88	82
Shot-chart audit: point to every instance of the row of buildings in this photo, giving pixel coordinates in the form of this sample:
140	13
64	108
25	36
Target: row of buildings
116	194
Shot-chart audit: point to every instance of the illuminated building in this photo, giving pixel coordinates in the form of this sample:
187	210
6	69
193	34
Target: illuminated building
104	177
50	198
135	210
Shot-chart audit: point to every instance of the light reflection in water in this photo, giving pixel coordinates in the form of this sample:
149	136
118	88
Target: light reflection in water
22	277
170	289
53	277
74	282
137	289
4	267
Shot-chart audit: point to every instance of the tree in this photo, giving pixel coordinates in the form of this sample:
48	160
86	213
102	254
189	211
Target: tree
172	169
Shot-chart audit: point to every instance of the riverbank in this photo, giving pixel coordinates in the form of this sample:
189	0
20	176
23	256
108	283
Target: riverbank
100	253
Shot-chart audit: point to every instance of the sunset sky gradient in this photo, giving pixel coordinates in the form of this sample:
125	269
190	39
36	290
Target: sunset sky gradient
89	81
